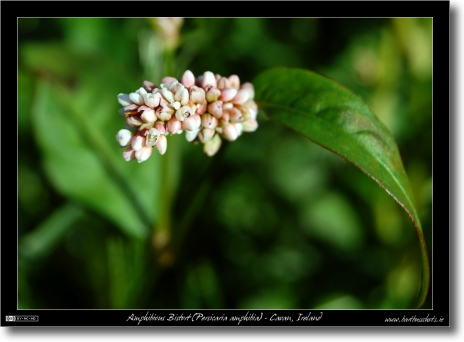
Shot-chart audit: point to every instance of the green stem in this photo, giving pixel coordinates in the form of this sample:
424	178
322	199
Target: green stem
200	190
162	229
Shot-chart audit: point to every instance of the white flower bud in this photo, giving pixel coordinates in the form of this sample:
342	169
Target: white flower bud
162	144
188	79
191	123
229	132
176	105
250	125
212	146
128	154
124	99
239	128
172	86
136	98
163	116
123	137
141	91
152	100
178	92
191	135
183	112
143	154
167	95
152	137
133	121
185	97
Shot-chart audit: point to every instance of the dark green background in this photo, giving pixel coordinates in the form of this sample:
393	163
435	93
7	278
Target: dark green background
279	222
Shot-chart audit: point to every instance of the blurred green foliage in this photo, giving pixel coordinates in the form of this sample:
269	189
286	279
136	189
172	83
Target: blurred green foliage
273	221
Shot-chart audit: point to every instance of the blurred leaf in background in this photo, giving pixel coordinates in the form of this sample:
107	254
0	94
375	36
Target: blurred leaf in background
278	222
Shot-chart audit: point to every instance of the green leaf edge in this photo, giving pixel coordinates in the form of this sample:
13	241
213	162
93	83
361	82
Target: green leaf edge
425	283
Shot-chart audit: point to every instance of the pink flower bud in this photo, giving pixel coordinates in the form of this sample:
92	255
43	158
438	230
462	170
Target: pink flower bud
235	115
212	146
128	154
131	107
227	94
148	116
191	123
149	86
250	125
137	142
173	125
123	137
168	80
160	127
234	81
215	108
162	144
208	79
188	79
241	97
201	108
206	134
208	121
229	132
212	94
143	154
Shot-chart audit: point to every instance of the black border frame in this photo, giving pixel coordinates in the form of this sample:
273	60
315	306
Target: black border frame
441	290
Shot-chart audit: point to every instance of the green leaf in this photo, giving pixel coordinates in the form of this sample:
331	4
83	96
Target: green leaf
75	131
330	115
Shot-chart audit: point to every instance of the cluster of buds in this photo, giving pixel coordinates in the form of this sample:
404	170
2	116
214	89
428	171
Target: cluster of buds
208	108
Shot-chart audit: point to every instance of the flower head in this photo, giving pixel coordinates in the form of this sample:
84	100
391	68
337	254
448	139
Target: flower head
208	108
